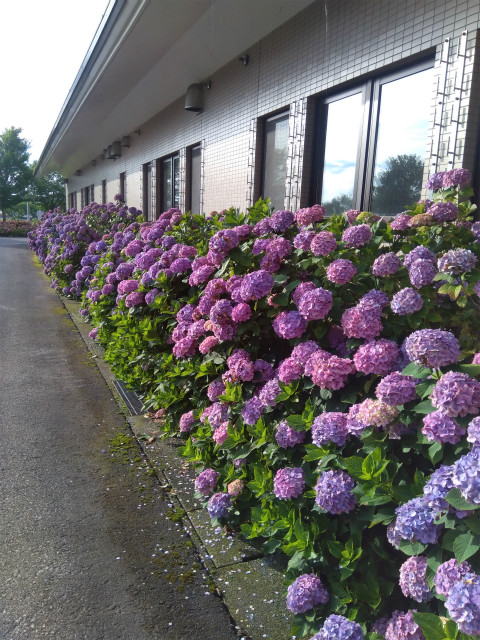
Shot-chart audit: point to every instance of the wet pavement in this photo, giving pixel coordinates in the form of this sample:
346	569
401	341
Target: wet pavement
89	549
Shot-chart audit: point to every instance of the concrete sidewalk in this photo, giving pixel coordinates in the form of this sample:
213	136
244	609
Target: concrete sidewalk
93	548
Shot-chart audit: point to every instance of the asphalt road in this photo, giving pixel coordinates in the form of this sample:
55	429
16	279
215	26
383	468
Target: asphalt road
87	550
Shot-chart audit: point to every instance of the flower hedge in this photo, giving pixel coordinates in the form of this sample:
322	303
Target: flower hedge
324	373
16	228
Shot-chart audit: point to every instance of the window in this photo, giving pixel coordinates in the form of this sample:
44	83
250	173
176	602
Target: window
371	143
275	159
86	196
147	190
104	191
170	182
92	193
194	171
122	189
72	200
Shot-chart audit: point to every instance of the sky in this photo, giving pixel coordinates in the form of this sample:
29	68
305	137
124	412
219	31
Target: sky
42	46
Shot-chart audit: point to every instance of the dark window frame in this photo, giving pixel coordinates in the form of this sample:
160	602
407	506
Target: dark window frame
161	200
370	88
147	190
189	198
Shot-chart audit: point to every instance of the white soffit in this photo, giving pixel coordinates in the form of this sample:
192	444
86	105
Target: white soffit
152	52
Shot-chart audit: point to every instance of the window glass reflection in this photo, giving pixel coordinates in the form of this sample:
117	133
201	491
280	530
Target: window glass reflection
341	146
401	142
275	162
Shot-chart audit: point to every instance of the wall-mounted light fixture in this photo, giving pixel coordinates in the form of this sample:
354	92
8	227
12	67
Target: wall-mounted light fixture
244	59
126	141
194	96
116	149
78	172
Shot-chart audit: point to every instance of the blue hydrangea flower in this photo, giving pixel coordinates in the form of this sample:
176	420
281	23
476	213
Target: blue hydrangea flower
463	604
339	628
305	593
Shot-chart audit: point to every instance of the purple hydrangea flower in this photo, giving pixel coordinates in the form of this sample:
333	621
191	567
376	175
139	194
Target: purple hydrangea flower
186	422
303	239
457	394
466	476
400	222
281	220
215	390
437	487
305	593
206	481
375	413
457	261
432	347
402	626
151	295
386	265
302	352
438	427
339	628
474	432
463	604
448	573
287	437
218	505
240	366
406	301
241	312
134	299
330	426
124	270
208	344
289	370
443	211
377	356
127	286
256	285
341	271
301	290
332	373
456	177
252	410
200	275
289	483
435	182
362	322
315	304
265	370
413	580
107	289
357	236
422	272
310	215
415	522
323	243
269	392
396	389
289	324
221	434
419	253
334	492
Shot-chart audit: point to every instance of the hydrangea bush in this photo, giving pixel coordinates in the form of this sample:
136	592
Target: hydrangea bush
325	375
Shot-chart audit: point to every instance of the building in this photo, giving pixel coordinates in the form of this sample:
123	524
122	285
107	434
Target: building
205	104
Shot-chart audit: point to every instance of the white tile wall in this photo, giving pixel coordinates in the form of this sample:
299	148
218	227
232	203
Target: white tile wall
330	43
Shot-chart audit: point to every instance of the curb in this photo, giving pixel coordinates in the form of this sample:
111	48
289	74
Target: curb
249	583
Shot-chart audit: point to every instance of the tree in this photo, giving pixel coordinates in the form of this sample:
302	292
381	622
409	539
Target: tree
48	192
15	173
398	185
339	204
